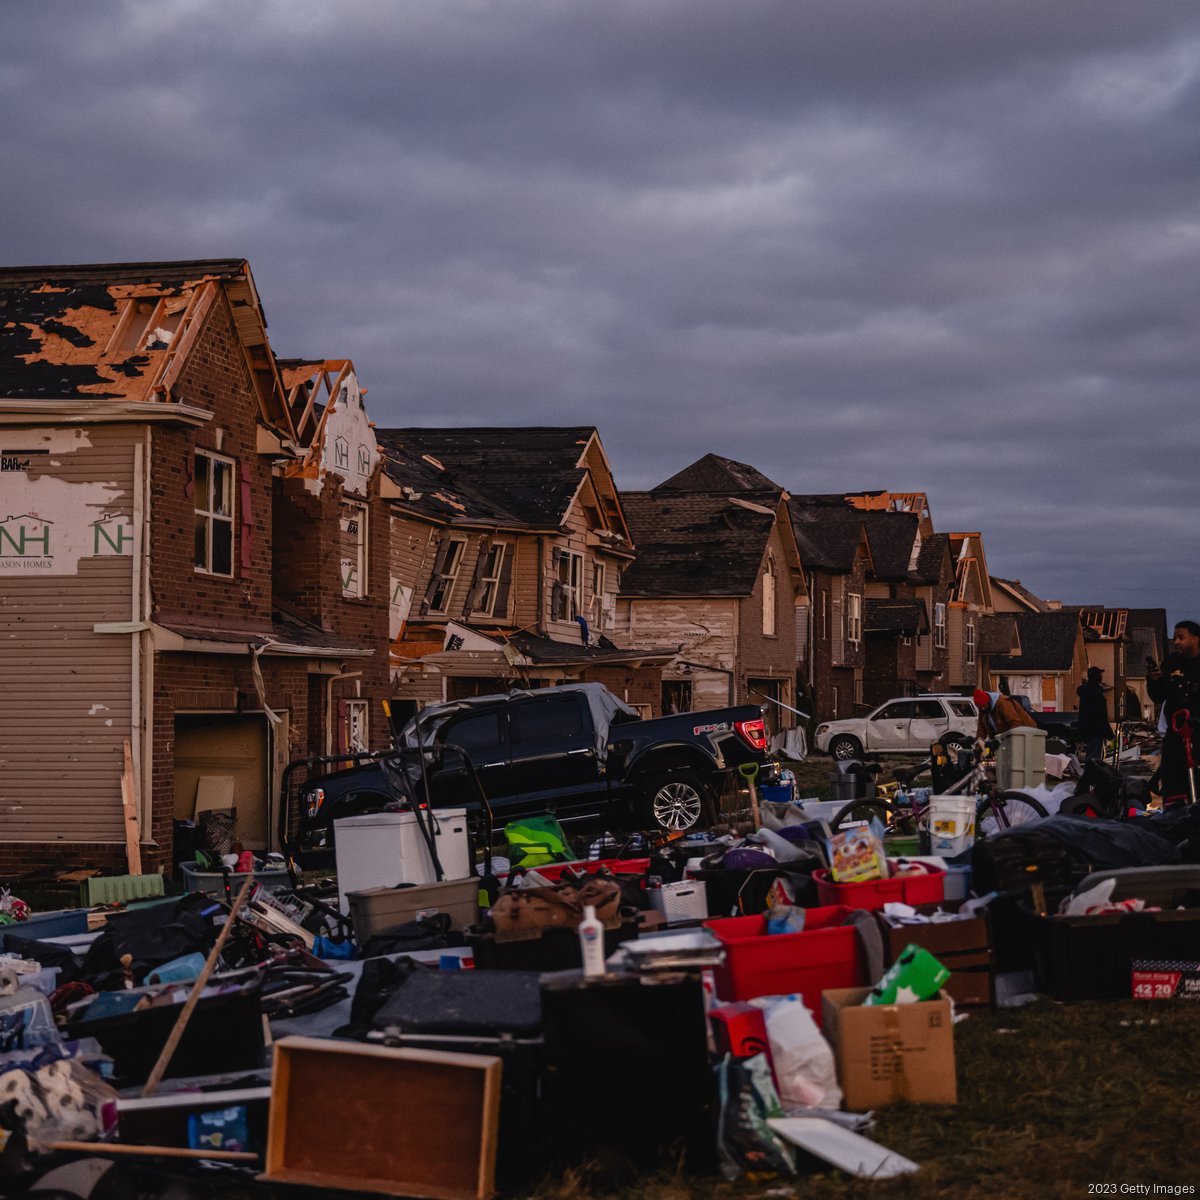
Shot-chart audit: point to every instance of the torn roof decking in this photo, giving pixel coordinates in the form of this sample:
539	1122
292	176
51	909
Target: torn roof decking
1047	641
121	331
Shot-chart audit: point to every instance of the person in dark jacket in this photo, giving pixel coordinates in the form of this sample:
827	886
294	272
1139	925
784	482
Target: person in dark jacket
1093	713
1175	686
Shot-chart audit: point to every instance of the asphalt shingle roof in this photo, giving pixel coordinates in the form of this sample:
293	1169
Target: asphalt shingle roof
521	475
712	473
696	544
1047	643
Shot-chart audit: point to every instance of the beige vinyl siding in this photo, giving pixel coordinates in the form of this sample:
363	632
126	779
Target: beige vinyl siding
67	704
956	641
924	648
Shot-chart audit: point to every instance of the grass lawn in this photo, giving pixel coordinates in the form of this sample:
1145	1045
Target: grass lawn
1052	1098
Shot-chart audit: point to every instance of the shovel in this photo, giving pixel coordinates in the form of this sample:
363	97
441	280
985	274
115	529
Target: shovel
749	772
1181	723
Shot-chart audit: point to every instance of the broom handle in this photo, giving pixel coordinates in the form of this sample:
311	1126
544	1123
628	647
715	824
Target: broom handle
168	1051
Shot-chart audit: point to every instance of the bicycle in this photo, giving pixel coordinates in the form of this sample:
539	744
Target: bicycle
995	810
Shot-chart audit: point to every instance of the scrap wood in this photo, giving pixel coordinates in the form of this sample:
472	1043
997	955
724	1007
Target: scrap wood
122	1149
129	799
168	1051
77	876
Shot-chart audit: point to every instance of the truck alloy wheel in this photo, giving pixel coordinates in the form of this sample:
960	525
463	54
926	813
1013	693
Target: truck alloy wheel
676	802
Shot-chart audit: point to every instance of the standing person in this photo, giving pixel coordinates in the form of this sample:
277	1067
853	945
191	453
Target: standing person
1175	685
1093	713
998	713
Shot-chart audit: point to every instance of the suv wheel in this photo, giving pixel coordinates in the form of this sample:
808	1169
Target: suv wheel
677	802
845	747
954	742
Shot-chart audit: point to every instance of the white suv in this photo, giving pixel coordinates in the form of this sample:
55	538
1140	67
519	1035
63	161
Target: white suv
908	725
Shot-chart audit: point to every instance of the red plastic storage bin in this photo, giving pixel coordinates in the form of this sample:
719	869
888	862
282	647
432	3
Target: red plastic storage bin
824	955
617	866
873	894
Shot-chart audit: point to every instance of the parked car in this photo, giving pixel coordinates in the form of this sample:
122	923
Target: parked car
575	751
906	725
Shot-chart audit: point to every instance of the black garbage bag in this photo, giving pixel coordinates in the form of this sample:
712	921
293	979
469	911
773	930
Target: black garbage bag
151	934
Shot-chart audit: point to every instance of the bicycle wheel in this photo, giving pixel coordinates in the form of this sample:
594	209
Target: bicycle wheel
859	812
1007	810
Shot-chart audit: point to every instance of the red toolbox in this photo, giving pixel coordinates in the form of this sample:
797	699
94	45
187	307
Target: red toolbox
824	955
873	894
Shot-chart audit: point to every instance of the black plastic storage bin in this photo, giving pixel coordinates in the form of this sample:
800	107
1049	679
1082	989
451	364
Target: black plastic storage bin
555	950
1091	958
225	1033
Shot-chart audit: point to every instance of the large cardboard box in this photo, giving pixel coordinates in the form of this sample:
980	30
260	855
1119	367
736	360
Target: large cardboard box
963	946
891	1052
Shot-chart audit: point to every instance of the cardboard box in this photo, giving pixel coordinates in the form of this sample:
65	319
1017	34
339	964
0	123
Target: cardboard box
891	1052
1166	980
963	946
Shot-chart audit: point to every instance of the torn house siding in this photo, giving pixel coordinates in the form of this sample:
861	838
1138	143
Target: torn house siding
67	704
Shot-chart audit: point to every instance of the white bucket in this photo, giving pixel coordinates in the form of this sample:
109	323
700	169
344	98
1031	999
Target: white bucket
951	824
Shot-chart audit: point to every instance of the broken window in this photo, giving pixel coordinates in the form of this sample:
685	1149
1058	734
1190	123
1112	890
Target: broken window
939	626
565	593
768	597
355	730
604	602
354	549
494	576
213	480
445	571
676	696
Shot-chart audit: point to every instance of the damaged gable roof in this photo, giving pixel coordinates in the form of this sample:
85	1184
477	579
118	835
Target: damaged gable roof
827	530
696	543
110	331
522	475
712	473
931	558
1047	643
891	536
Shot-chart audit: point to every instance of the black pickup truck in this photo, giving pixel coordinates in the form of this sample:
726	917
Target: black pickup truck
575	751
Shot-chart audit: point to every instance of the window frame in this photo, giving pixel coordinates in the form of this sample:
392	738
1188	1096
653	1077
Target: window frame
489	582
565	593
770	585
939	626
448	576
970	641
360	547
210	516
854	631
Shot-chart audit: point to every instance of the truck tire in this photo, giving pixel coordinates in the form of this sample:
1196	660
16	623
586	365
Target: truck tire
844	747
677	801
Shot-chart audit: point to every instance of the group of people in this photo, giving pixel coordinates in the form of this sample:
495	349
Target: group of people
1173	685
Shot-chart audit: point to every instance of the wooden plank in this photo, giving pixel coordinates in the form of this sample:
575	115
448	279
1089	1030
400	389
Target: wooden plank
122	1150
133	848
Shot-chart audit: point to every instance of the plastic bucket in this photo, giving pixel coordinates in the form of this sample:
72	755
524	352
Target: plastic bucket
951	824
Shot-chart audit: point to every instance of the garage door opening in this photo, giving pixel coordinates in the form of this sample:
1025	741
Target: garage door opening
219	754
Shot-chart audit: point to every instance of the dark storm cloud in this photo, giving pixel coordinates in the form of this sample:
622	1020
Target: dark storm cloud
919	245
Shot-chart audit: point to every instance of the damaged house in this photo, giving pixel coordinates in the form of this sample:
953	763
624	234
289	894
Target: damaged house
174	514
718	575
508	548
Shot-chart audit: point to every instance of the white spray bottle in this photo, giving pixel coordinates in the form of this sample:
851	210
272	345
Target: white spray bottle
591	943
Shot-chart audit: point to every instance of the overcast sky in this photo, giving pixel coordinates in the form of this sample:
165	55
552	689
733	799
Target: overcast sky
910	244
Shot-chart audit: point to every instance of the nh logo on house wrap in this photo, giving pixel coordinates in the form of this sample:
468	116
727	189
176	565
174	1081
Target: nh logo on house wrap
112	535
26	538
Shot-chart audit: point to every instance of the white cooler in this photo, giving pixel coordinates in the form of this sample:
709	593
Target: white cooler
385	849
